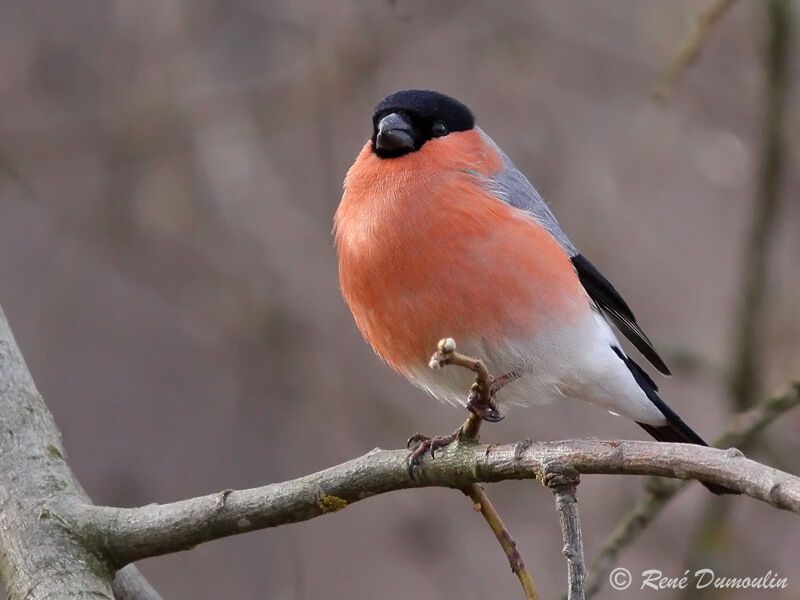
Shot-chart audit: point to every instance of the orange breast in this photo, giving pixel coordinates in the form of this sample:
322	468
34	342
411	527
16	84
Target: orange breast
425	253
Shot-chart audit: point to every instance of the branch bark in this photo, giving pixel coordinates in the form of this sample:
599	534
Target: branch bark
39	557
129	534
564	484
129	584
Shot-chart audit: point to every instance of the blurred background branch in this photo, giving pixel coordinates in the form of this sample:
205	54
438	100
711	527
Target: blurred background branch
750	324
690	51
712	536
746	371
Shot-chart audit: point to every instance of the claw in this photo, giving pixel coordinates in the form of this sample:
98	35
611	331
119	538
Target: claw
492	416
413	463
488	413
415	440
424	445
477	406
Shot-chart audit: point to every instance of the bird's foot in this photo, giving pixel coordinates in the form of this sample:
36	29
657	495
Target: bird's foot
421	444
480	403
477	404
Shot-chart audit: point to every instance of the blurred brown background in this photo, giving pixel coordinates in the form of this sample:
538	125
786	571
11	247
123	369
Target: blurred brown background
170	169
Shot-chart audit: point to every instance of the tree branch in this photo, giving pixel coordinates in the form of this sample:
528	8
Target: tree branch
129	584
39	558
130	534
564	484
482	504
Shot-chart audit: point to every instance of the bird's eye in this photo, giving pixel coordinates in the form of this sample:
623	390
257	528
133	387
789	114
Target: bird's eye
439	129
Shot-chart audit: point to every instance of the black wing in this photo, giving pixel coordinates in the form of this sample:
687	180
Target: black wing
608	299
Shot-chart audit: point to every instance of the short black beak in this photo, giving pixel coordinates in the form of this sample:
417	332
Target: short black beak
394	134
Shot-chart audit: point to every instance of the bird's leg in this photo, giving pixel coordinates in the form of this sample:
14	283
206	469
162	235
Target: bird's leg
480	403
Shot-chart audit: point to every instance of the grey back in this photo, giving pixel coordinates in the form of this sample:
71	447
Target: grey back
511	186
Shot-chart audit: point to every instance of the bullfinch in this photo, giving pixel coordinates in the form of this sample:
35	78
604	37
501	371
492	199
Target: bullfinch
439	234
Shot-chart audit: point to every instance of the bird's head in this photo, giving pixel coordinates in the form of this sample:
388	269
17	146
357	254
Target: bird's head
404	121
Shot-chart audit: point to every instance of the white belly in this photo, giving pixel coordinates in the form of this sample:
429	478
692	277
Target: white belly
575	362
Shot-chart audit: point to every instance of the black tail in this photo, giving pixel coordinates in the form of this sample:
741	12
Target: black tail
676	430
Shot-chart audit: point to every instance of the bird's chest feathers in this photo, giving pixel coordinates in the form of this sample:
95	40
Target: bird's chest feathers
423	257
391	230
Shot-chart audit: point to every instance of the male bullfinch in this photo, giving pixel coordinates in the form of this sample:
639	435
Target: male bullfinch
439	234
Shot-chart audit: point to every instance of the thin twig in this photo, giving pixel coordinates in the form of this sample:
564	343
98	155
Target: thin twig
482	388
691	47
446	355
741	430
482	504
747	425
564	484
